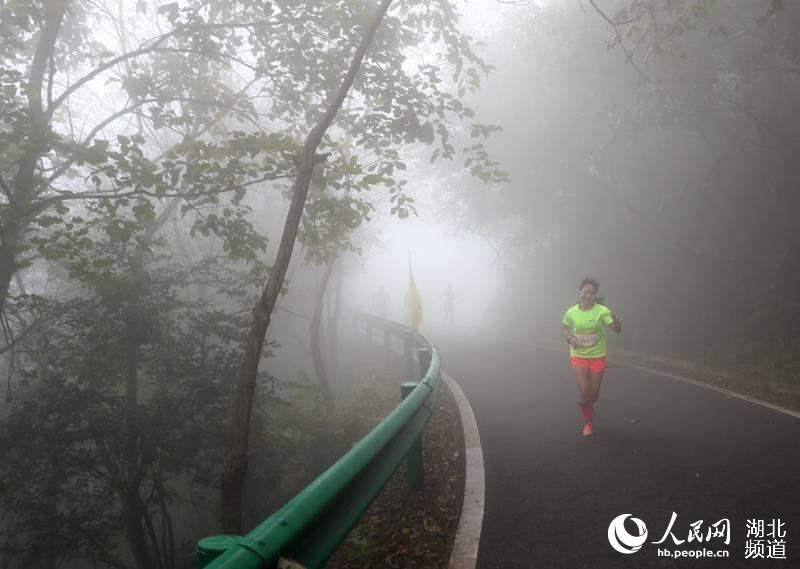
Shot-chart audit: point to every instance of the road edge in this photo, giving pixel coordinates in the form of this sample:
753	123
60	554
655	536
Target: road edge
464	554
722	390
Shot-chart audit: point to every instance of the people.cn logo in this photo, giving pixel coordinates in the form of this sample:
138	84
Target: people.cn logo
623	541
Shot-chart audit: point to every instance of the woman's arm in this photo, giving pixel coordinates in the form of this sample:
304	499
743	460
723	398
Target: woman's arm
566	332
616	323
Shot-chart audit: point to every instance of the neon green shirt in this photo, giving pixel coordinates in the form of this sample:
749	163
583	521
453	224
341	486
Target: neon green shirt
589	327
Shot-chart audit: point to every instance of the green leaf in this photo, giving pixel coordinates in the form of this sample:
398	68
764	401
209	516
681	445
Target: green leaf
47	220
371	179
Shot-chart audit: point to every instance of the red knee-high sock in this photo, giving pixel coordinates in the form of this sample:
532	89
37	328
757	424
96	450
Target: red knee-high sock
587	410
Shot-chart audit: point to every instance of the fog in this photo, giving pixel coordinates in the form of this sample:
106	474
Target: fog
438	257
662	180
196	195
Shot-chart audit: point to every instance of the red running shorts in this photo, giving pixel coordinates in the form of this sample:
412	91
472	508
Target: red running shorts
594	364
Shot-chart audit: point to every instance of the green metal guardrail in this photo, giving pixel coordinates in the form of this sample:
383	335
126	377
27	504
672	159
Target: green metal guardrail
310	527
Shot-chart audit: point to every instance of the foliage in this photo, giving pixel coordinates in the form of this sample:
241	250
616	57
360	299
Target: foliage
70	459
675	190
215	98
117	120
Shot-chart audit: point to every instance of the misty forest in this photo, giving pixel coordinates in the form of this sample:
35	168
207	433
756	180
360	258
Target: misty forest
196	196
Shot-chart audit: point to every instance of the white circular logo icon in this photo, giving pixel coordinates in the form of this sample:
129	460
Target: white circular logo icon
621	540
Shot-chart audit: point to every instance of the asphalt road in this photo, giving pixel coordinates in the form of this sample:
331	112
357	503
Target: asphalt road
661	446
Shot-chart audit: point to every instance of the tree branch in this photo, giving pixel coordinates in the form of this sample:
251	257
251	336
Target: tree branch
33	325
108	65
69	196
111	118
6	190
141	51
217	57
100	126
782	139
614	25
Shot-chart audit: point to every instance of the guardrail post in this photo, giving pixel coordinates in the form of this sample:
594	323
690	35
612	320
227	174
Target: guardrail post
424	356
408	347
209	548
413	460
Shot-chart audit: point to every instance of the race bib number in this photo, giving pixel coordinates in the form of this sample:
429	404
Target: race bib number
587	340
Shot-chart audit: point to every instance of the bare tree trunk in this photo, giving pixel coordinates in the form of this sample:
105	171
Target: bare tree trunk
133	512
10	234
316	350
17	215
235	464
133	506
332	328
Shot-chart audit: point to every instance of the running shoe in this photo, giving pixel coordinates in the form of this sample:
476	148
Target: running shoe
587	430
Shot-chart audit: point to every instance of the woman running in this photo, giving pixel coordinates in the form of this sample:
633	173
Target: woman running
584	330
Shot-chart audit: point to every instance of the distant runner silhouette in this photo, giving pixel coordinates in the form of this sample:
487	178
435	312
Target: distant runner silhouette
380	302
449	297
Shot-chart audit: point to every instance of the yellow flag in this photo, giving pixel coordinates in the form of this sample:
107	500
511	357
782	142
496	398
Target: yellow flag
414	301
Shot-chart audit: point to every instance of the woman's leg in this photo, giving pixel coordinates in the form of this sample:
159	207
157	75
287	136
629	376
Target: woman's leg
583	382
595	382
